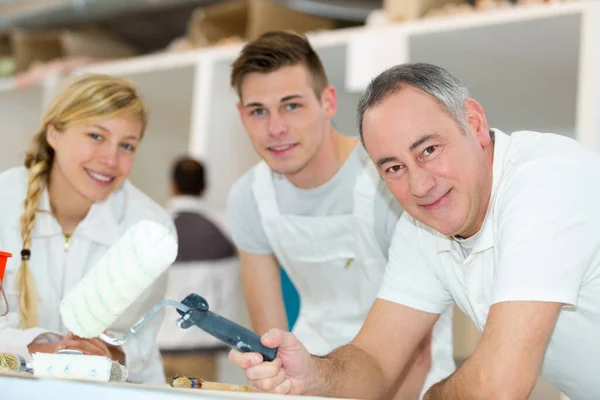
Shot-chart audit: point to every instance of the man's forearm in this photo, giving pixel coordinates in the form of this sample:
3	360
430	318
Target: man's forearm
446	389
349	372
262	322
460	385
262	288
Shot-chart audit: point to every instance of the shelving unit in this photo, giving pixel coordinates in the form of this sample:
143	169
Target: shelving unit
525	66
531	68
20	113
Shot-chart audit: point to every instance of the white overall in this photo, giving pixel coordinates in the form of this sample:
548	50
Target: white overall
337	266
335	262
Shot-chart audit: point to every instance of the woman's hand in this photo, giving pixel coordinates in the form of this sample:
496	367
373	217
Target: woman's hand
90	347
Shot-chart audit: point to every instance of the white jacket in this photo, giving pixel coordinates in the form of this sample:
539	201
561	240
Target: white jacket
56	270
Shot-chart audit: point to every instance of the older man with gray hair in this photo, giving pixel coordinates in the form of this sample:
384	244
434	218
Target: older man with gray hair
503	225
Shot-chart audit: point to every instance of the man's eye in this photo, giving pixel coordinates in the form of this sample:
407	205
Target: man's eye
429	150
258	111
393	169
292	106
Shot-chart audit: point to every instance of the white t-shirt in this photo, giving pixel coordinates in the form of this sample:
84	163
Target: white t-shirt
539	242
56	270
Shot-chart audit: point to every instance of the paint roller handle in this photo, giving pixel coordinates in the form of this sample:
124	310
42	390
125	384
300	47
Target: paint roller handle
235	336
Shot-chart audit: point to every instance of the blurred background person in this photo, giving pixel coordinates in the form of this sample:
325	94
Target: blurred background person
206	264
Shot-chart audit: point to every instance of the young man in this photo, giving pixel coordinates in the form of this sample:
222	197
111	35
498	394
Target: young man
316	206
505	226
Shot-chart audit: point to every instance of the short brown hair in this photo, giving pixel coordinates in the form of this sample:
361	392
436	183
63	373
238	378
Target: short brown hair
274	50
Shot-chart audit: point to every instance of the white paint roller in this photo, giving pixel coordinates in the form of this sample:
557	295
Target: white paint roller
128	268
122	275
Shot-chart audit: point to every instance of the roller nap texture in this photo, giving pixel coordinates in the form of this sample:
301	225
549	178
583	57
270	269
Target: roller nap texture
128	268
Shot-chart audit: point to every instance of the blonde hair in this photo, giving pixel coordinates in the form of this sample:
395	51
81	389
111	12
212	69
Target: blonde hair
89	97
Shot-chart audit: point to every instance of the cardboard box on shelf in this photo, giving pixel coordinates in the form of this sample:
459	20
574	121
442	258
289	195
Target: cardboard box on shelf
210	24
248	19
266	16
94	43
401	10
31	47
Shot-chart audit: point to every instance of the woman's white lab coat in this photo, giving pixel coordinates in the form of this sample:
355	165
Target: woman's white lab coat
57	270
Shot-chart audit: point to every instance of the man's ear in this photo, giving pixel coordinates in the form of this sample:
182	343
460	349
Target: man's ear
329	101
477	121
240	109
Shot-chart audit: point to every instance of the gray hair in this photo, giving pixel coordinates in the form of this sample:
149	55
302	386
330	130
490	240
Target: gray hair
439	83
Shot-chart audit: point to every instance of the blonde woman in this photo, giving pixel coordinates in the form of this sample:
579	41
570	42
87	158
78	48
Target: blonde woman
64	209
